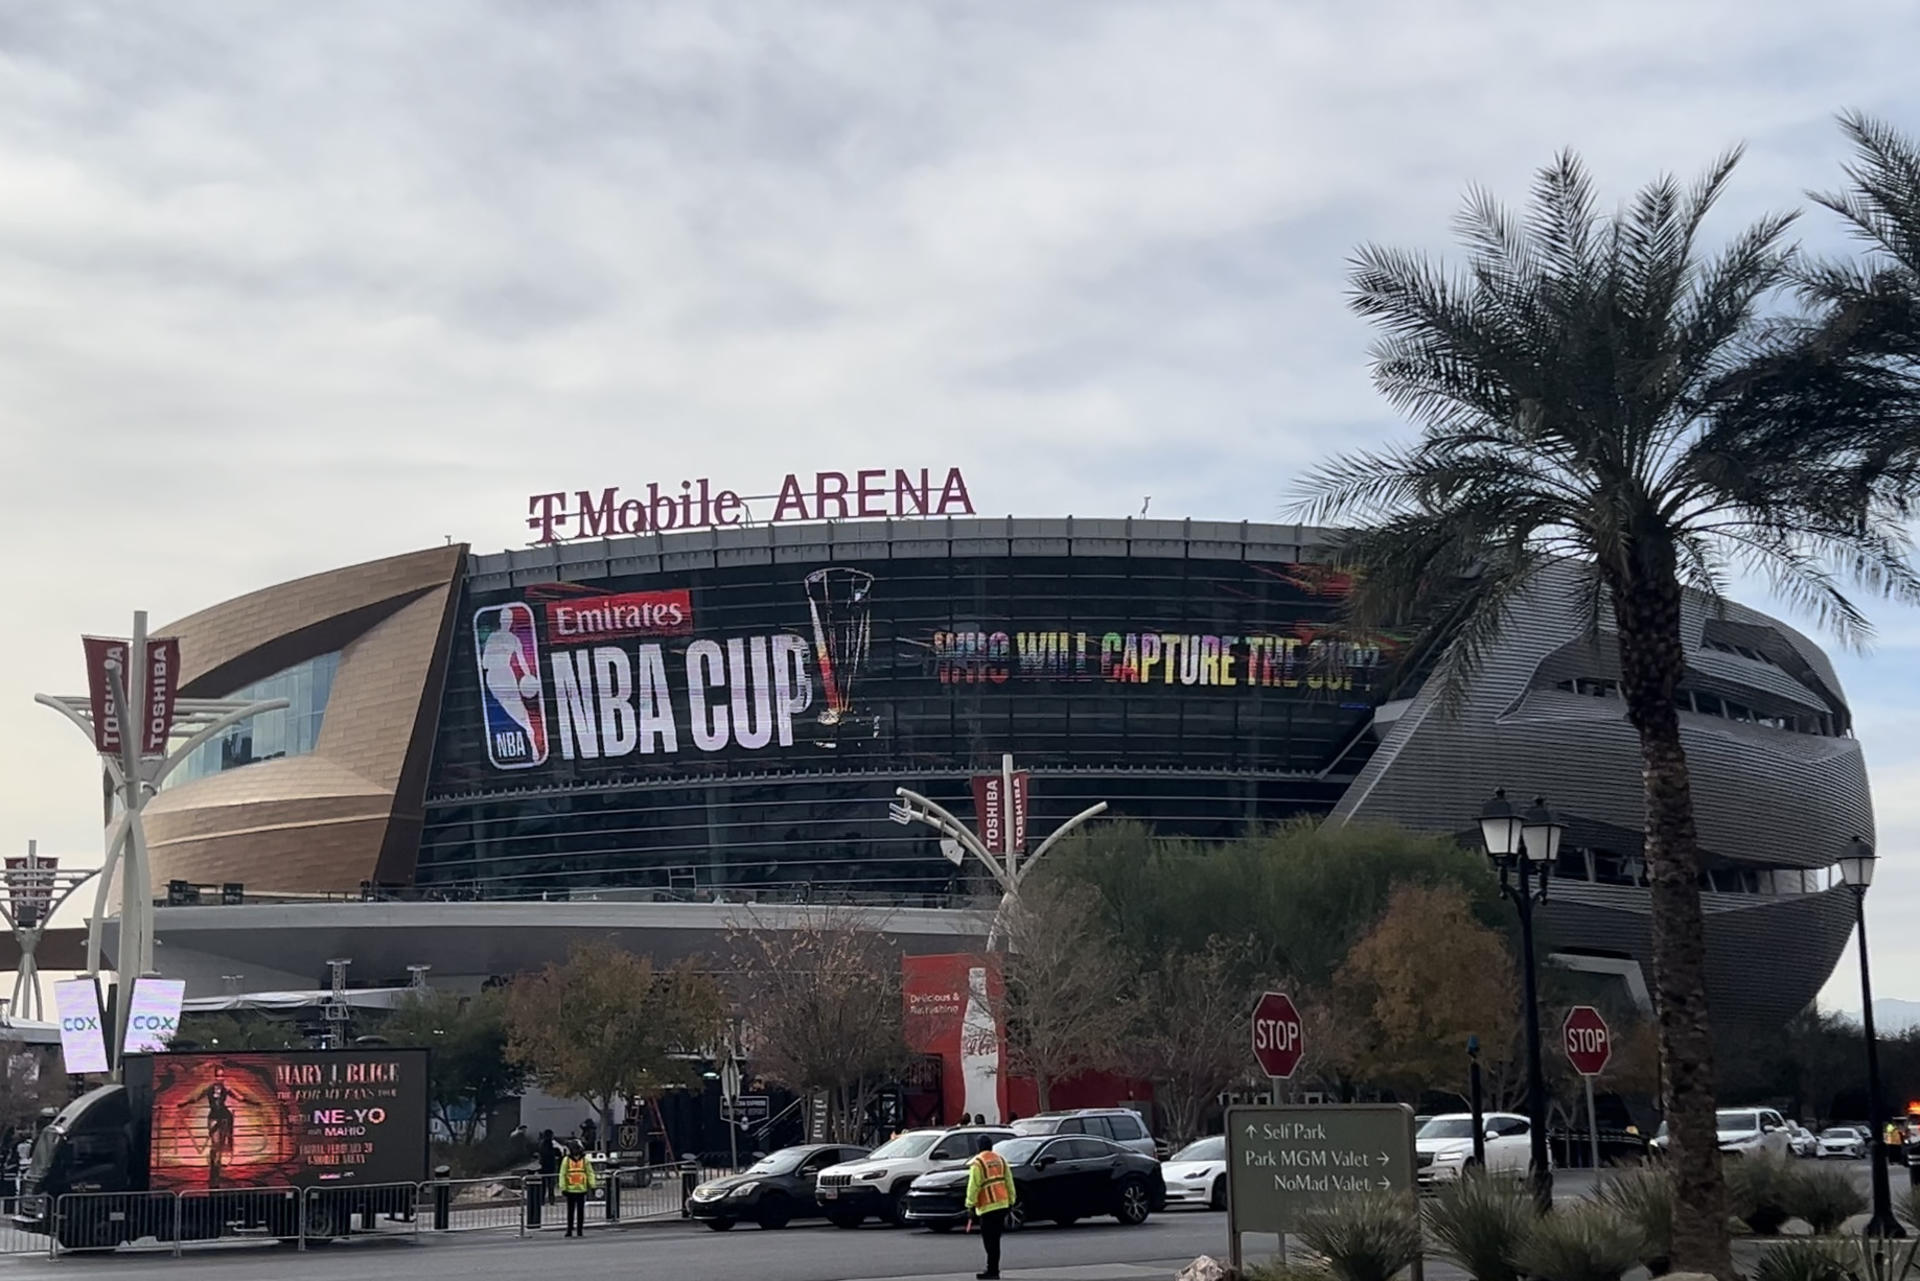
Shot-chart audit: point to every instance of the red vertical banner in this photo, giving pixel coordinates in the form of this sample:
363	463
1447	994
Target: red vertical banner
105	655
156	712
990	811
951	1008
1018	809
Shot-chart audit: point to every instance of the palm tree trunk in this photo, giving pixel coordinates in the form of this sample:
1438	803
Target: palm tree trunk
1647	612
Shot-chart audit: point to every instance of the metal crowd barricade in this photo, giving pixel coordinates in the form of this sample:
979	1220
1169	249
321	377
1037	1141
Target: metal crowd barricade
107	1220
474	1205
15	1238
255	1213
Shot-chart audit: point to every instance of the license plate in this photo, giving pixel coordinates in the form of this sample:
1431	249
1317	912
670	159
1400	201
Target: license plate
829	1194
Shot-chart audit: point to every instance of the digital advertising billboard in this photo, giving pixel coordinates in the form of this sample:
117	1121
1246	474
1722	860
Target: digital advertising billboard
294	1118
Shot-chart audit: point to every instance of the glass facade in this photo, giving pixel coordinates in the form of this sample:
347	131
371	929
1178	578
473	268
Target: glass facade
291	731
740	731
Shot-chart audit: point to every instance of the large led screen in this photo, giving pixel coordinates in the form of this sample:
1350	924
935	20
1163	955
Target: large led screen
298	1118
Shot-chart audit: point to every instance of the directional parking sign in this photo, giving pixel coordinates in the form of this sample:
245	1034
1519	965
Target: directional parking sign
1284	1161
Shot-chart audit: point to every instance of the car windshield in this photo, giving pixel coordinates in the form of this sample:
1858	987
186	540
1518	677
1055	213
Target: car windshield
785	1161
1020	1151
1737	1122
907	1145
1839	1132
1447	1127
1213	1149
1037	1125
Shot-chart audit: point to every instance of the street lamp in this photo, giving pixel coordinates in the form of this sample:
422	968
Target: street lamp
1524	847
1856	873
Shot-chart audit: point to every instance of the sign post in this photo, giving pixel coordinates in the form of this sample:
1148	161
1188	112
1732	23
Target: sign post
1278	1042
730	1091
1589	1044
1283	1162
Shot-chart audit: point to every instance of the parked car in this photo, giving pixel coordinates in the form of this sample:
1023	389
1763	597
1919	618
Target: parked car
1063	1178
1743	1132
1197	1174
876	1184
1801	1141
773	1191
1846	1142
1121	1125
1443	1146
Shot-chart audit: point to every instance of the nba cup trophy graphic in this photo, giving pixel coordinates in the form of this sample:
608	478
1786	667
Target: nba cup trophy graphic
837	598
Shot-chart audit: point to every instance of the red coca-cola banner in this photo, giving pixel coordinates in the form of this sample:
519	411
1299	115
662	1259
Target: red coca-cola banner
991	812
951	1008
157	694
104	655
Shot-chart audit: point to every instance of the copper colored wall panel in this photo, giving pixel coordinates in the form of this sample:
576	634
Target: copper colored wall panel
320	821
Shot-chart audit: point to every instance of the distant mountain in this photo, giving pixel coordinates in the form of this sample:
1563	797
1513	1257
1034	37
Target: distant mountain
1892	1017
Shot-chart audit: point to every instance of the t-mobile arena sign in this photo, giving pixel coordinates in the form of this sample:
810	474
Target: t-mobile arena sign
867	493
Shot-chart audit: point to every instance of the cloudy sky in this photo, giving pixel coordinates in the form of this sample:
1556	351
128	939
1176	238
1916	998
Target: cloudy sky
283	287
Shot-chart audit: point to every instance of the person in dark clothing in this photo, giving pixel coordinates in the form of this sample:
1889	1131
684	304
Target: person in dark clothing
589	1133
549	1162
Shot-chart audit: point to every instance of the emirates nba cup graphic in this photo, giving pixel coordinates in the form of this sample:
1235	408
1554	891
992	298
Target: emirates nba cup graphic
512	700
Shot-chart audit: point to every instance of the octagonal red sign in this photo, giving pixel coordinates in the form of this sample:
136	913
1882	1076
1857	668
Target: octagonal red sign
1588	1041
1277	1038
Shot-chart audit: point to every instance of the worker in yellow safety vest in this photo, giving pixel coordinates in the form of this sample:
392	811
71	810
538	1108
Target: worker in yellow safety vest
577	1179
989	1200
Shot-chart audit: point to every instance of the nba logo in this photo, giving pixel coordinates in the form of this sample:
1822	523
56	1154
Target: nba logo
511	700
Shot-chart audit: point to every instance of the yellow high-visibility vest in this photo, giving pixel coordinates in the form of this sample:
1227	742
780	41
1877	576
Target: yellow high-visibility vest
576	1176
989	1184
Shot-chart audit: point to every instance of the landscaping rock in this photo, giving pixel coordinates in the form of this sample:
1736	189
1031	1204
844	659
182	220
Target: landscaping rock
1204	1268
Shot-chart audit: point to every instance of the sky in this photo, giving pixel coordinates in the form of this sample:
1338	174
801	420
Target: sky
287	287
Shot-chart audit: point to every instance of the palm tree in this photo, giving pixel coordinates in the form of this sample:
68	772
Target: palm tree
1872	307
1594	394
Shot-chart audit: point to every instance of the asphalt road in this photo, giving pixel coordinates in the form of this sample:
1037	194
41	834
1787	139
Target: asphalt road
1099	1251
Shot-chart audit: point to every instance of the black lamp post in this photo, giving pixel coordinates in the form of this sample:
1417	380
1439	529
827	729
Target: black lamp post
1856	873
1524	847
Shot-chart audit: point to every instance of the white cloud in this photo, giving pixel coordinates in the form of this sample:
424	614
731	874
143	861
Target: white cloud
286	287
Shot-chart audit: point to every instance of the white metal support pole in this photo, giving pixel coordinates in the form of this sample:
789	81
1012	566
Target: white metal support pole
1007	817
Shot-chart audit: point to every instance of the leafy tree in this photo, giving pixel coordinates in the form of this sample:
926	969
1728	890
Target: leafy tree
822	1007
1597	397
471	1072
1302	894
1189	1033
1066	1006
251	1031
608	1025
1425	978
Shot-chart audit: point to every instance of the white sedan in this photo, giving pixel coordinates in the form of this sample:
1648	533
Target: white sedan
1843	1141
1444	1145
1197	1174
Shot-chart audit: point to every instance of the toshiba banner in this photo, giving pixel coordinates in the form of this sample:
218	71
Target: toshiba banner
107	657
992	812
950	1009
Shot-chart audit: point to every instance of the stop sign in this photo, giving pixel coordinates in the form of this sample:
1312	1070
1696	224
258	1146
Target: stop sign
1277	1041
1589	1043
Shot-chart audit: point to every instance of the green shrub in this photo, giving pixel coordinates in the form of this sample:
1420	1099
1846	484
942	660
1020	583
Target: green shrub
1761	1191
1825	1199
1480	1221
1804	1261
1581	1241
1910	1208
1367	1238
1644	1198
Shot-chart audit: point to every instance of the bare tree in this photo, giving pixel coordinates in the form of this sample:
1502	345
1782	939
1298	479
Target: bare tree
1066	1005
822	1008
1189	1034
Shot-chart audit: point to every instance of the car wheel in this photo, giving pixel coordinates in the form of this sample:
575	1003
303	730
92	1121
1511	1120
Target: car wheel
846	1220
1218	1201
776	1213
1016	1217
1135	1204
718	1225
